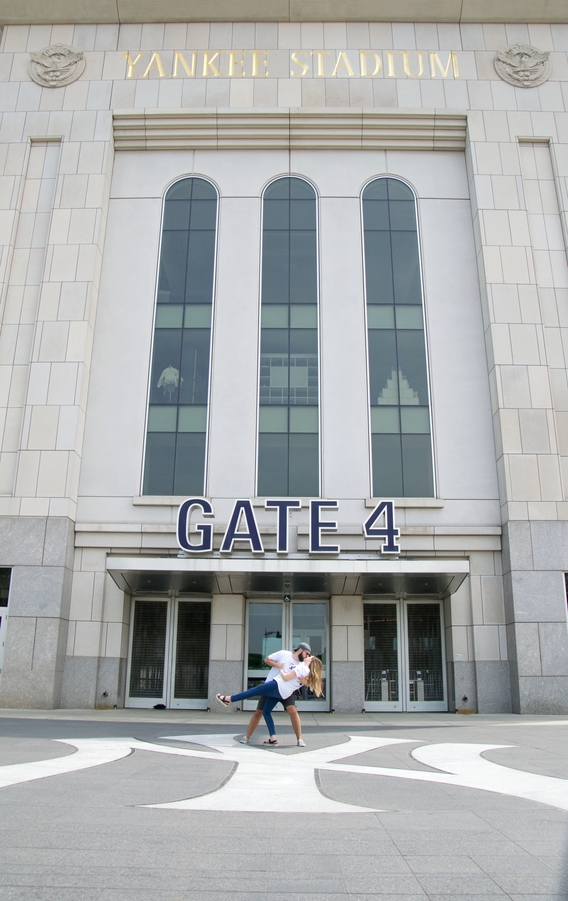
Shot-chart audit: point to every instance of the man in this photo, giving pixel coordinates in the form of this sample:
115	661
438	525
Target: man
284	661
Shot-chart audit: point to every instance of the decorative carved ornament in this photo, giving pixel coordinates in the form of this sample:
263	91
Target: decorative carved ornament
56	66
523	66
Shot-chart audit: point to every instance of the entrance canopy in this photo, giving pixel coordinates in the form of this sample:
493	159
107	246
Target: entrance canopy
322	577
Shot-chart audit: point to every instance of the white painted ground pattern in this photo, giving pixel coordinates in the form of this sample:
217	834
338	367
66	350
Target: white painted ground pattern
266	781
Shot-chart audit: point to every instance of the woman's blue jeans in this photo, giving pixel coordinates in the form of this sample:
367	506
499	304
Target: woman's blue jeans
268	690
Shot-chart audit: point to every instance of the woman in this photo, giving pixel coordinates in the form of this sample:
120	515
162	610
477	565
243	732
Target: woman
278	689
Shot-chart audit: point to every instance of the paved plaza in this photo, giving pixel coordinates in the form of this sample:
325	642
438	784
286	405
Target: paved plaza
136	805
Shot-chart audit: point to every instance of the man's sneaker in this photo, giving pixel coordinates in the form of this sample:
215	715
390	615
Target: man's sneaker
244	740
301	743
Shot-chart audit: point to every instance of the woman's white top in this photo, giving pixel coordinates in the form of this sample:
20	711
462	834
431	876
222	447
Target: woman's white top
288	688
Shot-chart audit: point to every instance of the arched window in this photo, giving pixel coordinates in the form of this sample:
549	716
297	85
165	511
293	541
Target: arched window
179	382
398	378
288	441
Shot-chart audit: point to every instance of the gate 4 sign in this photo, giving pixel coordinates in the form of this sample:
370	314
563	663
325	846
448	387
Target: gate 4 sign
383	510
243	526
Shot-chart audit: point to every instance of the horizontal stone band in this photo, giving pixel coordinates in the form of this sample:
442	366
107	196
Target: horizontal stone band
352	129
66	12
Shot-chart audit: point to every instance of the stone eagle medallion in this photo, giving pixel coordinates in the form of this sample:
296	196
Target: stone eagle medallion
56	66
523	66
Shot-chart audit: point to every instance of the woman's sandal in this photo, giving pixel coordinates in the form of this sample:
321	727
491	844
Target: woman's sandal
224	700
270	741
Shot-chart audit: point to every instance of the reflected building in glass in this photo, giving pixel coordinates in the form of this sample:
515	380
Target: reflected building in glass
398	376
179	383
288	440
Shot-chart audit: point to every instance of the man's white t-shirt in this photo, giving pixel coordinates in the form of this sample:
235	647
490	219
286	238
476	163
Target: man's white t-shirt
285	657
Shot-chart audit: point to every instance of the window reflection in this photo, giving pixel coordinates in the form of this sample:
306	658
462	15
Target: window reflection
179	382
288	447
398	380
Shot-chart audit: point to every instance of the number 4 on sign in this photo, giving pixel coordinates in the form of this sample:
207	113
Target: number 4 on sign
388	531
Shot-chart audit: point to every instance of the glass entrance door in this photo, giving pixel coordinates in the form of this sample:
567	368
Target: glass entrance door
404	656
3	624
5	575
190	676
169	654
273	625
381	636
425	669
309	624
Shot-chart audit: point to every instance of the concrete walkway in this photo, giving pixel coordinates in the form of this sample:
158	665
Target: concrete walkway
169	806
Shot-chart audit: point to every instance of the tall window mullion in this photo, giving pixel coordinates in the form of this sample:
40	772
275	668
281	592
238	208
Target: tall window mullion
288	443
179	381
398	379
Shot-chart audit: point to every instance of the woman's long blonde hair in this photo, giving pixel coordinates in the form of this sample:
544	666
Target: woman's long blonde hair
313	680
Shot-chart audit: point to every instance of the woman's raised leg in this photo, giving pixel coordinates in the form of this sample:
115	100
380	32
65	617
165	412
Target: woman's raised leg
267	689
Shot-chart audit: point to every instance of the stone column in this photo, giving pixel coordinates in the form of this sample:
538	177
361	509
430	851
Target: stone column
56	225
226	655
40	552
515	176
97	645
347	668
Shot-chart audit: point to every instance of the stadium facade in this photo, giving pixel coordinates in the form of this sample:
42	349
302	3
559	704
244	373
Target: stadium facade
283	342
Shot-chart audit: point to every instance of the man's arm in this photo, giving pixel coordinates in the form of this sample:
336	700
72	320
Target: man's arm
273	663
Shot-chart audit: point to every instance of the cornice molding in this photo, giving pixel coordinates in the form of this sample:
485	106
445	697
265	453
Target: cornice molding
288	129
69	12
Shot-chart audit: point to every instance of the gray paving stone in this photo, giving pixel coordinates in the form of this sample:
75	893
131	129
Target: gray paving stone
557	864
112	857
428	848
84	836
316	896
14	750
518	865
442	864
65	877
305	884
545	849
379	865
538	897
302	863
207	896
387	897
466	883
532	884
162	879
41	893
465	897
137	894
222	862
232	844
228	882
14	858
385	884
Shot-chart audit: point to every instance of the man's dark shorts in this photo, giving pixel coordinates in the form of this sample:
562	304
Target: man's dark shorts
287	702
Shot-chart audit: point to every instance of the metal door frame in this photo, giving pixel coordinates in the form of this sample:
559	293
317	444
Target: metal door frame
404	704
287	625
392	706
3	630
425	706
173	703
167	698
